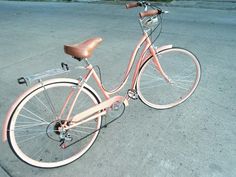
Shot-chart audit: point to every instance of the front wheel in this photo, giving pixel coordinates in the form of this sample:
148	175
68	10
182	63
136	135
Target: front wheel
34	128
183	70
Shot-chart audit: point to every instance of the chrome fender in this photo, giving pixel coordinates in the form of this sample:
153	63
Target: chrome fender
27	92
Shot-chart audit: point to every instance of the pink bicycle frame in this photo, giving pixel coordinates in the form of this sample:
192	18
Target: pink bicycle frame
94	112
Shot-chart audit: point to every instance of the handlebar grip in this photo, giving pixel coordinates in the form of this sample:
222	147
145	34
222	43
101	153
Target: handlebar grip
132	4
149	13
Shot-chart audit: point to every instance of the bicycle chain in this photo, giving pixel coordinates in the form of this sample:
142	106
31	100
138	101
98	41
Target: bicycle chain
64	146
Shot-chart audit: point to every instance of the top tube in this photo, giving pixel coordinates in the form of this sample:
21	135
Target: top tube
129	67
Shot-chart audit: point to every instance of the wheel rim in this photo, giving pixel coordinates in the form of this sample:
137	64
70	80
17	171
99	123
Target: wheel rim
35	148
182	68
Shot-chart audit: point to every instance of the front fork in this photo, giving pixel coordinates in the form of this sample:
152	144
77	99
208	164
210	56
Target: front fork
158	65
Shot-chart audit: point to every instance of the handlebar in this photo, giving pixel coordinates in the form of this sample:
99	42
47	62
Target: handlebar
145	13
150	13
132	5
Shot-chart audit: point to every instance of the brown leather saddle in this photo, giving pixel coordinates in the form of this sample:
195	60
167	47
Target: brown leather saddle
84	49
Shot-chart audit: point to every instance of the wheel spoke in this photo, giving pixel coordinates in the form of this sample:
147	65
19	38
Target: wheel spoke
34	114
38	154
35	138
183	70
20	127
31	118
41	102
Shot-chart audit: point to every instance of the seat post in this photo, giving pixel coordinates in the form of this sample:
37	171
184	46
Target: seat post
86	62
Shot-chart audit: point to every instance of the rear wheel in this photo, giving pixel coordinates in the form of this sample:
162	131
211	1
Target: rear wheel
34	129
183	70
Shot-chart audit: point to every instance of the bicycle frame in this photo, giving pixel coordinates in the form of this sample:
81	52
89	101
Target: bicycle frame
101	109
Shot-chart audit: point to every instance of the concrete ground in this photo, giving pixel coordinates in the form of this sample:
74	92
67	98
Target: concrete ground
195	139
206	4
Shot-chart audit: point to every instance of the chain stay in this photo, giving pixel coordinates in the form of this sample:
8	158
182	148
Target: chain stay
64	146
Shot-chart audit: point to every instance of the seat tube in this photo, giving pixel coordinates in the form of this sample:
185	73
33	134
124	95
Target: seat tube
98	81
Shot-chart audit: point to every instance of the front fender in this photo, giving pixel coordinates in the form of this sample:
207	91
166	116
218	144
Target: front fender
159	49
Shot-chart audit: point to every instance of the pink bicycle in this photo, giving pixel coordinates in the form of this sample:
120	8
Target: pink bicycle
56	121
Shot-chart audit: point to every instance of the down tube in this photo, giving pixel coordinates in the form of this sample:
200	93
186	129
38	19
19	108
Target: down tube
129	67
98	81
132	58
142	59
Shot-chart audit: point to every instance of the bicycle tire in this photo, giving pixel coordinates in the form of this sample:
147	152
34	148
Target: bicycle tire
184	70
28	131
